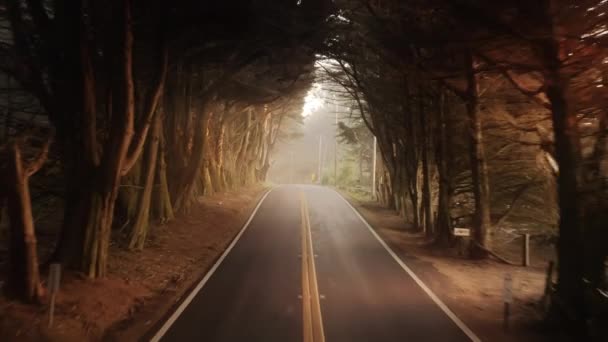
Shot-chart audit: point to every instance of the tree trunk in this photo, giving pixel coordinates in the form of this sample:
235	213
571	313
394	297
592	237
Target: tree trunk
219	149
569	246
140	227
164	209
9	109
206	179
388	185
570	251
444	223
482	223
90	202
129	193
214	173
24	277
100	213
183	198
97	233
269	146
426	174
414	198
241	159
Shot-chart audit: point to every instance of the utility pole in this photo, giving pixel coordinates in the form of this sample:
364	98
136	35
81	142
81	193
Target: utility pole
374	168
320	158
291	168
336	152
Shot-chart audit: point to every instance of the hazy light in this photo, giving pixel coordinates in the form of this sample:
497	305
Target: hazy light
312	101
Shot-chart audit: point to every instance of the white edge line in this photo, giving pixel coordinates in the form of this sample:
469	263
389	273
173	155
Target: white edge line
163	330
411	273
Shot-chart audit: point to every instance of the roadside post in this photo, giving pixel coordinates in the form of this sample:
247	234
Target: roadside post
526	250
53	288
463	239
508	299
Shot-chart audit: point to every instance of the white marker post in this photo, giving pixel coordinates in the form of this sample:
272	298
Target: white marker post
463	235
53	287
508	299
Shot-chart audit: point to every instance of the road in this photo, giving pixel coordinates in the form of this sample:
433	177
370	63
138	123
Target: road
308	268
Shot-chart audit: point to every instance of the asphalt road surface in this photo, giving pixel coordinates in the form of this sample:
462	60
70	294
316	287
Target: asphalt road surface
255	291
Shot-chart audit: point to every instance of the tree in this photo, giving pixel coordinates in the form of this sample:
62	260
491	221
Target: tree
24	278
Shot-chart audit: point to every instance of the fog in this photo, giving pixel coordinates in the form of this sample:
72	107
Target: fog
296	159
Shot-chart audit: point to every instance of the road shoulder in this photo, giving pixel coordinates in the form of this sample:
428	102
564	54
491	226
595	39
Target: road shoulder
222	218
472	289
141	288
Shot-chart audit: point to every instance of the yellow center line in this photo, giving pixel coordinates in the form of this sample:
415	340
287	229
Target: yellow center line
306	305
311	306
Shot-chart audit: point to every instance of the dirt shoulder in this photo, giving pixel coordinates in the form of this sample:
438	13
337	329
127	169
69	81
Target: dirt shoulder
142	287
472	289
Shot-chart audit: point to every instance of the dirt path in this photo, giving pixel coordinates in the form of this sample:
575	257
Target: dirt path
472	289
142	286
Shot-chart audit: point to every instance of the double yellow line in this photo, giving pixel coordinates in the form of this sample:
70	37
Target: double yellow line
311	306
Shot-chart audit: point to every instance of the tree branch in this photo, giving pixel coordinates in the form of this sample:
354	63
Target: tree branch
150	108
35	165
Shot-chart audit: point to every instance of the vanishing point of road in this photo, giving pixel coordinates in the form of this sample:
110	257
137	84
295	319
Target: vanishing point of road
307	267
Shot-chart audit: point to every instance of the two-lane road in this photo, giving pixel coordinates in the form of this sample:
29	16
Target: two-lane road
263	288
